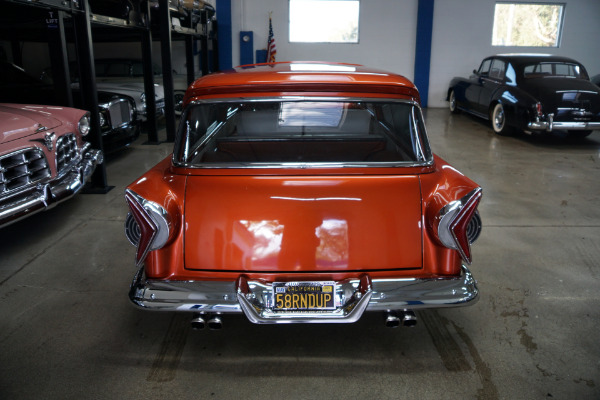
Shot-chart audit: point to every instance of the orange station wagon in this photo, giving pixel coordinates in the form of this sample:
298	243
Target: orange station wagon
302	192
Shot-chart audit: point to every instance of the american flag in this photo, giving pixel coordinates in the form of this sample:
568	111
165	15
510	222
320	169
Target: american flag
271	49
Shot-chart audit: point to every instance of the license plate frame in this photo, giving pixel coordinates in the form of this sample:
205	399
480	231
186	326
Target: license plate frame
306	296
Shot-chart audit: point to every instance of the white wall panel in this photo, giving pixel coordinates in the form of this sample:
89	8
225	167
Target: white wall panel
387	34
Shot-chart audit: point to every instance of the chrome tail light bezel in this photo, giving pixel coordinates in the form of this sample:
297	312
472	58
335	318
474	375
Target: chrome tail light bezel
458	224
153	223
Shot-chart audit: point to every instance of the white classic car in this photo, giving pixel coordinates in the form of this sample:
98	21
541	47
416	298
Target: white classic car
121	70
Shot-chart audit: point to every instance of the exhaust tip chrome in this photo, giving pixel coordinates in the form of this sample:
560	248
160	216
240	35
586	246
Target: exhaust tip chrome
215	323
198	322
409	319
392	320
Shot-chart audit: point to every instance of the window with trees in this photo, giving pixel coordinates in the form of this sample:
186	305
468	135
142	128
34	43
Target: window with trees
527	24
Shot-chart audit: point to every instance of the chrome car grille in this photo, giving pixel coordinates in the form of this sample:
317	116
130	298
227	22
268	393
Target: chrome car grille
66	152
22	168
120	112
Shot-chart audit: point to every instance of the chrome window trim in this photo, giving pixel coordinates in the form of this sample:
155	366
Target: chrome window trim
420	140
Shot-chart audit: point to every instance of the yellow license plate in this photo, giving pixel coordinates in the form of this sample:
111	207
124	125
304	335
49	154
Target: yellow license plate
303	296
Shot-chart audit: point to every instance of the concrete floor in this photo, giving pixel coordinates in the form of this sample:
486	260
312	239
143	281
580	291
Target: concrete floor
67	329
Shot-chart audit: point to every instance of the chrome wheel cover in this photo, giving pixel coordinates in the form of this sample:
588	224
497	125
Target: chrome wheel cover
452	101
498	118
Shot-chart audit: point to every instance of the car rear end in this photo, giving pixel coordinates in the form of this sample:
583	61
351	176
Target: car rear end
303	208
565	99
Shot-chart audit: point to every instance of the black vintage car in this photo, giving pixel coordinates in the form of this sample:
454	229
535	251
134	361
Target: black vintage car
531	93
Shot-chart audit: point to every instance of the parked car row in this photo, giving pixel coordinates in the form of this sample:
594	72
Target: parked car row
529	93
44	158
118	114
133	88
346	209
131	71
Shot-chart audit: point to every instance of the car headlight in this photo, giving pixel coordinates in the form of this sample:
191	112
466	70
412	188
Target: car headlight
84	124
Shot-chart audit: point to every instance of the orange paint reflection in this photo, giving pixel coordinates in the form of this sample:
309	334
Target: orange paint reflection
267	238
319	243
334	244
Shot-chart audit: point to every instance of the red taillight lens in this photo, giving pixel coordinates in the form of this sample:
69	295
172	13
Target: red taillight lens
538	109
153	225
454	224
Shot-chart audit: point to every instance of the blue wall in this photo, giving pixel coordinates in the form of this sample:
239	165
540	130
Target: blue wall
225	38
423	48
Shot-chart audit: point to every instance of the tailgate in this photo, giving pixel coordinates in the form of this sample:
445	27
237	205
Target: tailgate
303	224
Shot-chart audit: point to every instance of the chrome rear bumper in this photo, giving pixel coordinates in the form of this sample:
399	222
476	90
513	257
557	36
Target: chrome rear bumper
45	196
550	125
254	298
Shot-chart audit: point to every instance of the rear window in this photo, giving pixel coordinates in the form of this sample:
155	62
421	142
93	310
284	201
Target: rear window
560	69
283	132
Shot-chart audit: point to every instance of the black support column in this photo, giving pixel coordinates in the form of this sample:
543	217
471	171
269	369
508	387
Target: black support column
87	84
204	43
59	59
151	126
167	66
189	59
215	45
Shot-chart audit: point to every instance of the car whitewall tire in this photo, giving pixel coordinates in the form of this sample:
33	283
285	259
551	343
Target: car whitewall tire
452	103
499	123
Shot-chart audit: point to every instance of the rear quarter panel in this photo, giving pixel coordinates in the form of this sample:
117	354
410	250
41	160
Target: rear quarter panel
166	189
444	185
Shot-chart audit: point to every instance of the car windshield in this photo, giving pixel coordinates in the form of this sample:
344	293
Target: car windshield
558	69
279	131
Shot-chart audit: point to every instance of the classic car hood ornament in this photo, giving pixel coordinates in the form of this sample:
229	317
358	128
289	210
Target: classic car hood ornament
20	120
47	140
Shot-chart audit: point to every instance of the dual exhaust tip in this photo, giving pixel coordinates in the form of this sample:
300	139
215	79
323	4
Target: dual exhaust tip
394	319
212	321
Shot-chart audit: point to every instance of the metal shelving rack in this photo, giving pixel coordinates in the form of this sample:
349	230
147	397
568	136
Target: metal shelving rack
169	32
76	14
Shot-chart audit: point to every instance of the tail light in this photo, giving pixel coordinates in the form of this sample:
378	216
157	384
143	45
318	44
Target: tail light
538	109
148	225
458	224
